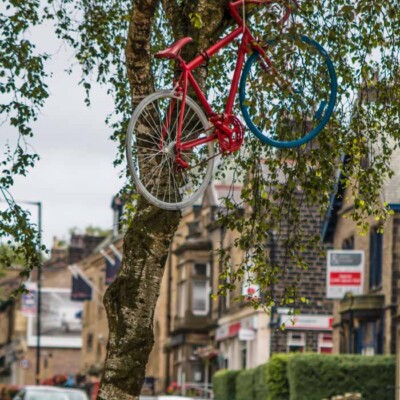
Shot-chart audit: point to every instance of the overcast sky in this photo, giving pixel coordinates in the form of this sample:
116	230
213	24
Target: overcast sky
75	179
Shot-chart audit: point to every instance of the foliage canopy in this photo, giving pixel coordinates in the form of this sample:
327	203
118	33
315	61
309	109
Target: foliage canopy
362	39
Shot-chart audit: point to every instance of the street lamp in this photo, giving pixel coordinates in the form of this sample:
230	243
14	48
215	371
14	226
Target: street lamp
38	204
39	292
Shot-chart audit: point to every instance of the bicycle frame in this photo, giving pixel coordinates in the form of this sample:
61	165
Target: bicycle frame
186	78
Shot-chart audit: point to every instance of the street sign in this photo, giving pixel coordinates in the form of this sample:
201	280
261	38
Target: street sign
345	273
247	334
28	303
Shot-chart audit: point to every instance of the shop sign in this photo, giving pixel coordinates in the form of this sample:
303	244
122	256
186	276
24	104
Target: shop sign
345	273
221	333
310	322
234	329
247	334
227	331
305	321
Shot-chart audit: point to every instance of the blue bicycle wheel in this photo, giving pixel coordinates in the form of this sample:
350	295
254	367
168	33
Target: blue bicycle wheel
287	102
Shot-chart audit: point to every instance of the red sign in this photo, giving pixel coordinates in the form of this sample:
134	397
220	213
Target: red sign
345	278
234	329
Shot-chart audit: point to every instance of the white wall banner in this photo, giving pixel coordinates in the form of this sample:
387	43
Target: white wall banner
61	320
344	273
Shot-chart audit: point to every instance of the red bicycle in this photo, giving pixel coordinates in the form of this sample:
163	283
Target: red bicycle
287	92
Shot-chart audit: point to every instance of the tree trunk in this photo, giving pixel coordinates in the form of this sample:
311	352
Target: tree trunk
131	299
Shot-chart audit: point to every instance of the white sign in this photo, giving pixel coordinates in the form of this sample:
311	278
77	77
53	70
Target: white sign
344	273
61	323
312	322
246	334
309	322
28	303
251	291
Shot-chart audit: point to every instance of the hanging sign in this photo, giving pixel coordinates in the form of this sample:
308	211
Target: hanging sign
345	273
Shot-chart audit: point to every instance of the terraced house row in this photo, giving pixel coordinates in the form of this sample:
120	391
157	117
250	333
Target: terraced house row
195	334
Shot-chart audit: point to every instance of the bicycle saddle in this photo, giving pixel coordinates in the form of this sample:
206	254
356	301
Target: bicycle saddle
173	51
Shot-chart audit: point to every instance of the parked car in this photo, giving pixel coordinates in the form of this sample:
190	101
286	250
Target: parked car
50	393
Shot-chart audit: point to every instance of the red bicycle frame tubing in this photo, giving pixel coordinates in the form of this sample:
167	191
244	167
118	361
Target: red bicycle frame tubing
187	76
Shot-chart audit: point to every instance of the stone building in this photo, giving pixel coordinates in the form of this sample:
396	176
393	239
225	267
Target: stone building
366	323
195	334
312	330
10	346
207	334
60	326
95	269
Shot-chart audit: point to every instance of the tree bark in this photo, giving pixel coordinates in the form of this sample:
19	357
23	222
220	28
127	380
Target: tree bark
131	299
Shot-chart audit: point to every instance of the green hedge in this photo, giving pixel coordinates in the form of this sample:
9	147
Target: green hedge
260	383
277	380
224	385
314	377
245	385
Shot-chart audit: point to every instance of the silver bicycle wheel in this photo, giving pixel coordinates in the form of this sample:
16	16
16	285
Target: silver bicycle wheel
151	152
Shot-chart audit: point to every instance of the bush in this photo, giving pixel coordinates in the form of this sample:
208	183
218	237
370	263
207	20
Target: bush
245	385
260	383
224	385
315	376
277	380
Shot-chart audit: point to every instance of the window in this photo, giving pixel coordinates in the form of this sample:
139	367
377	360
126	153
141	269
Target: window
243	353
325	343
369	339
375	259
200	289
200	297
200	270
348	243
197	373
181	300
89	342
296	342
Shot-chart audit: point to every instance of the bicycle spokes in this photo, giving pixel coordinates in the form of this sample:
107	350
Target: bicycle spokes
287	99
155	154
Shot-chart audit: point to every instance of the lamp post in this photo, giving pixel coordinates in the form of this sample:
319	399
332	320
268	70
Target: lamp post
38	204
39	295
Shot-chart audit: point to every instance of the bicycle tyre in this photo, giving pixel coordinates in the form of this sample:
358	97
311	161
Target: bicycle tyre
273	131
140	148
